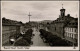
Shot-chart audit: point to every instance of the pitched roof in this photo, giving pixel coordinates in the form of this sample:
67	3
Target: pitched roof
10	22
73	23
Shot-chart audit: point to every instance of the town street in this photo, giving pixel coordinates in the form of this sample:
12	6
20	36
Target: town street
37	41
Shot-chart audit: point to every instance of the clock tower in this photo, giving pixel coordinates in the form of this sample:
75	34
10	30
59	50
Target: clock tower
62	11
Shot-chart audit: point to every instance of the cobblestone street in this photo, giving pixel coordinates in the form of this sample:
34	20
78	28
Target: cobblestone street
37	41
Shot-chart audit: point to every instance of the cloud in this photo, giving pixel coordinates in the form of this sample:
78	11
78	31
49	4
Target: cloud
40	10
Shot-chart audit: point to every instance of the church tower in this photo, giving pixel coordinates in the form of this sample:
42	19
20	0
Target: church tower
62	11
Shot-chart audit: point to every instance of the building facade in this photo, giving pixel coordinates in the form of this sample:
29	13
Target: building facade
58	25
9	28
71	32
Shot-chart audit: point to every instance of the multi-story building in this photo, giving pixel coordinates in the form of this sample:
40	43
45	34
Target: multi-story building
58	25
9	28
71	32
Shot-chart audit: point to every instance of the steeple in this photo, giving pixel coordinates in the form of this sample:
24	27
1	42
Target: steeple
62	6
76	15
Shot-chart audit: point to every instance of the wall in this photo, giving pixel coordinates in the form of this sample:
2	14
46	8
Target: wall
6	32
71	34
57	29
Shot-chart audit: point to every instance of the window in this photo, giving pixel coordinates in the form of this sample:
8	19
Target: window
76	23
67	29
73	23
75	30
68	34
72	35
65	33
55	28
72	29
69	23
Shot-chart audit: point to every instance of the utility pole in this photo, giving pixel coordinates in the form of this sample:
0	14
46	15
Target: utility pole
29	16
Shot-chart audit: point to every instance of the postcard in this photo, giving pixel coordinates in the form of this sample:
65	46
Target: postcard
40	25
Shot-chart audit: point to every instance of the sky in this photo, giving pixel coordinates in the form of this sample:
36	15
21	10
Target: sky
40	10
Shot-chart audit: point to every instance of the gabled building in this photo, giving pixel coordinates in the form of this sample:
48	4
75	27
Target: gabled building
9	28
58	25
71	32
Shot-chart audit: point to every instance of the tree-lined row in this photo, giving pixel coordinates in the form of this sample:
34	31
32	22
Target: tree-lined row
53	40
25	39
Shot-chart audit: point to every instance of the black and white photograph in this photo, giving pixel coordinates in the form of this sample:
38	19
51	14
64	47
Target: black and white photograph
40	24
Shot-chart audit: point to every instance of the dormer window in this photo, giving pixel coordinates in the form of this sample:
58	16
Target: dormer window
73	23
69	23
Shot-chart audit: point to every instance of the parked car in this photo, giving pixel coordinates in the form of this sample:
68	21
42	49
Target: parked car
12	39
